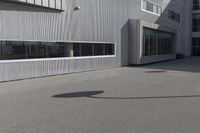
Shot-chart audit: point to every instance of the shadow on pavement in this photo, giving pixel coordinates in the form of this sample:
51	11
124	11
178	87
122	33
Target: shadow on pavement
191	64
158	71
78	94
154	97
92	94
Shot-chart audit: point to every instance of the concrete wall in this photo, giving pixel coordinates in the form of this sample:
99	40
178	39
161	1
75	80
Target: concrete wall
97	20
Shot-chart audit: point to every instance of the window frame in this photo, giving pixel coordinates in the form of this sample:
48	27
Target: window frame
195	24
151	12
35	4
174	16
196	5
157	42
61	58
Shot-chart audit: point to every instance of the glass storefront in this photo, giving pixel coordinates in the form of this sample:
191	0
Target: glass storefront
157	42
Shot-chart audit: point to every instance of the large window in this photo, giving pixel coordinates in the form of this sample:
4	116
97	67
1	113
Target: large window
157	42
174	16
151	7
196	46
31	50
196	22
56	4
196	4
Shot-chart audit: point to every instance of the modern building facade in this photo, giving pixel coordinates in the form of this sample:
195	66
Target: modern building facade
196	28
50	37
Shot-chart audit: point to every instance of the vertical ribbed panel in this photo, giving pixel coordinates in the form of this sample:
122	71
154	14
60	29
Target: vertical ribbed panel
21	70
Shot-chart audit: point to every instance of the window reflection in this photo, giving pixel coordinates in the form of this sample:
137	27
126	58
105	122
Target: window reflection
157	42
196	5
196	46
151	7
31	50
57	4
87	49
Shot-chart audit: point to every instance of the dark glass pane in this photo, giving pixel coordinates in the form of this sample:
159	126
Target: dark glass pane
157	42
151	43
87	49
1	50
196	42
14	50
55	50
109	49
196	23
196	46
147	42
77	49
31	50
99	49
196	51
196	4
42	50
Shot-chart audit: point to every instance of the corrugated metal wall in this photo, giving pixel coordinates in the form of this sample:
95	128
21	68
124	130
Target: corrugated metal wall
97	20
21	70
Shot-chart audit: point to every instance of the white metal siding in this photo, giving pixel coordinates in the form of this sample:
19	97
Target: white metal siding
97	20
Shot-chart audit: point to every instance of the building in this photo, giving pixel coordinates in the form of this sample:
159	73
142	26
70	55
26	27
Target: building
196	28
50	37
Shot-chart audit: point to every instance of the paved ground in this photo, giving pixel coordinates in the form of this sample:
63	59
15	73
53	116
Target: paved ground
158	98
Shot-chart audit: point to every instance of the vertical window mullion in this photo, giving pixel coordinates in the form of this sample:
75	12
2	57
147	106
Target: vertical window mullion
93	50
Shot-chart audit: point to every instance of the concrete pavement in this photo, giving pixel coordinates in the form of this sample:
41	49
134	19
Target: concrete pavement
157	98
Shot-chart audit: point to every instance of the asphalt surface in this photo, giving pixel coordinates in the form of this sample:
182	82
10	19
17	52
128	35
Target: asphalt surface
157	98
